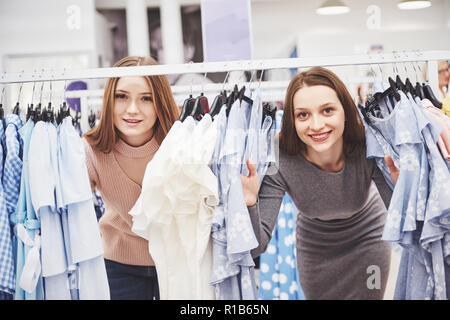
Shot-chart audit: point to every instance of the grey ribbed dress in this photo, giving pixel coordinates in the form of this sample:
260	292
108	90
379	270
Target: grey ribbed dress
340	221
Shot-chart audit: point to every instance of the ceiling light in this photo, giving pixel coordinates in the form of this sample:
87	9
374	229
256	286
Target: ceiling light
332	7
413	4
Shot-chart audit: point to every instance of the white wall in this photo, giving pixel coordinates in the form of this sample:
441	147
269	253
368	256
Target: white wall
29	27
51	35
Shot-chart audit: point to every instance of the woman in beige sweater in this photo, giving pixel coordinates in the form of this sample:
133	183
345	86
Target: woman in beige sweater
137	114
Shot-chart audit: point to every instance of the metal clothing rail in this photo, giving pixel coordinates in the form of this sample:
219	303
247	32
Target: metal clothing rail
241	65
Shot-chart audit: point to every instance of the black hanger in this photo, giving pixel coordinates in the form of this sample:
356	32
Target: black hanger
186	110
269	110
428	94
30	112
2	112
232	98
217	104
200	108
419	91
410	88
242	96
16	109
91	119
75	121
392	91
37	116
362	108
47	114
400	85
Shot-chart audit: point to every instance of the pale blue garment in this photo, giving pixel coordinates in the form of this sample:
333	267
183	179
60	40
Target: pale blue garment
223	274
437	215
422	272
251	150
45	195
376	147
233	271
7	276
400	130
398	137
26	216
87	271
278	265
12	171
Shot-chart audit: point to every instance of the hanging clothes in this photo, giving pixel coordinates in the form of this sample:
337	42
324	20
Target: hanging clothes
418	213
27	232
278	265
444	122
7	277
244	137
83	244
174	210
45	195
11	181
233	270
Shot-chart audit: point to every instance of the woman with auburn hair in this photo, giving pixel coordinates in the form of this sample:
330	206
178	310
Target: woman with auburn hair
137	114
323	167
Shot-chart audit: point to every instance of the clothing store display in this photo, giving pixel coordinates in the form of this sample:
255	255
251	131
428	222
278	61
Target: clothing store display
47	215
119	166
169	220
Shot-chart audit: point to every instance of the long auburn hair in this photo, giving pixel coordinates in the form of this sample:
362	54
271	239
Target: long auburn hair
104	136
354	132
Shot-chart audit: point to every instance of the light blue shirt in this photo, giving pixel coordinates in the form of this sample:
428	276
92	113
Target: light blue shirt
26	216
46	195
233	236
83	241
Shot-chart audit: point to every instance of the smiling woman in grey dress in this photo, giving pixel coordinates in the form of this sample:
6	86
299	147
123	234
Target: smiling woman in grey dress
322	166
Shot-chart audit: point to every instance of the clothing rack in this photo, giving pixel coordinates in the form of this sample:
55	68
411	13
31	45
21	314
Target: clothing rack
430	57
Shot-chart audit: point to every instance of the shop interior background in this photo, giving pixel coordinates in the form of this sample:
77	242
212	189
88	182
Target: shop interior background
45	35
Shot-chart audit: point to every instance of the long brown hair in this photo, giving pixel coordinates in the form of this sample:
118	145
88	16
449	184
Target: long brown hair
354	133
105	135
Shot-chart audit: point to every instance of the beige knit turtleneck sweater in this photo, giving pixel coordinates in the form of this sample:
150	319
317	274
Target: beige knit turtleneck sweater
118	177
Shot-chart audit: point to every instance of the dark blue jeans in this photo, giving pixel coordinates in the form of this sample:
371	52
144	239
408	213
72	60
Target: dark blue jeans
128	282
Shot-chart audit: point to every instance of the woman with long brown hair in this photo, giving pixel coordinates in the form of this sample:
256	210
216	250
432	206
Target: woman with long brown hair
137	114
323	167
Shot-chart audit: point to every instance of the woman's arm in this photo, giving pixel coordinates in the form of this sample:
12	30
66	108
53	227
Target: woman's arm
92	172
263	206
